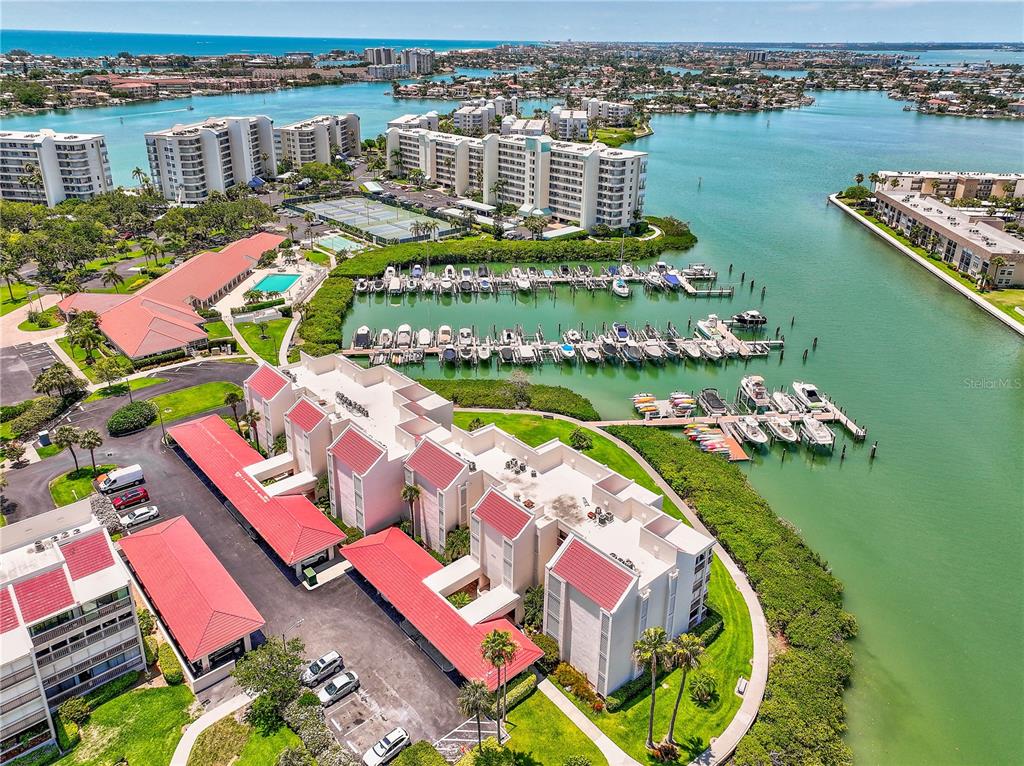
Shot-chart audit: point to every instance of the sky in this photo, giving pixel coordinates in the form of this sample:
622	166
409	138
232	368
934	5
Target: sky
539	20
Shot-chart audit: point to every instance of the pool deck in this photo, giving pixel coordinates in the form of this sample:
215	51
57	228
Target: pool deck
235	299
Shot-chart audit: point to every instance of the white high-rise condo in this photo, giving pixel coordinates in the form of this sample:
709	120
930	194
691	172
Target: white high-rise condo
47	167
188	162
380	56
418	60
312	140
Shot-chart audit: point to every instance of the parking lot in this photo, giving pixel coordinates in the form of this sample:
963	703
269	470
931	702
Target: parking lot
21	364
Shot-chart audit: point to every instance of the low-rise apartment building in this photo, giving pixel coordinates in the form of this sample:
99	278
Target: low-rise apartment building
608	112
46	167
952	184
386	71
569	124
67	620
428	121
517	126
318	139
586	184
476	116
188	162
612	562
969	242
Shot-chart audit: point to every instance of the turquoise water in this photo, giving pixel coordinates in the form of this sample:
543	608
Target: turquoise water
276	283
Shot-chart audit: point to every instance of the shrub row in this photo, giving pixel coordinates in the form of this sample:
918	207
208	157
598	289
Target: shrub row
305	717
709	628
630	691
519	688
69	733
802	719
169	665
257	306
41	757
11	411
373	262
158	360
574	682
150	648
40	412
420	754
131	418
549	646
320	328
498	394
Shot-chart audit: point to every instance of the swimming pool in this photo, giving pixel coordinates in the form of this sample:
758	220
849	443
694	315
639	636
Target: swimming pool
338	243
275	283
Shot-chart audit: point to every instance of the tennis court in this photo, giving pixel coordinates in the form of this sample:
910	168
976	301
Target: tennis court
375	219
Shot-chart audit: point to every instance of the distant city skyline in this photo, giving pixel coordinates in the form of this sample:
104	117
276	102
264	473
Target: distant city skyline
641	21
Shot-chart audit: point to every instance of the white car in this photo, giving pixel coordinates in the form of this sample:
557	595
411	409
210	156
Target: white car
139	516
338	687
323	668
389	746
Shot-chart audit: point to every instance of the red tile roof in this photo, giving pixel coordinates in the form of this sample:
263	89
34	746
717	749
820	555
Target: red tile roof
305	415
505	515
43	595
435	464
8	617
356	450
266	381
593	574
144	325
396	566
87	555
290	524
97	302
198	600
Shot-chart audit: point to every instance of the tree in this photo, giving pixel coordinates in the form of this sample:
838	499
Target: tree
252	296
474	424
66	437
498	649
232	399
294	756
10	271
995	264
651	651
14	451
533	607
536	224
111	278
685	654
580	440
410	494
859	178
57	377
519	385
111	369
874	178
91	440
272	670
251	418
263	330
474	699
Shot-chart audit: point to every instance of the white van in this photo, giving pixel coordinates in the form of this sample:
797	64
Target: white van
120	478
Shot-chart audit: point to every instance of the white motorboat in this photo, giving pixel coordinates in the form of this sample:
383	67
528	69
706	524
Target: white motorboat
781	429
709	349
484	284
449	272
417	271
467	353
652	350
362	285
631	351
572	336
807	396
690	347
783	403
447	284
710	327
567	352
444	335
412	285
429	282
362	338
483	351
750	318
654	280
465	336
403	338
751	431
816	433
424	338
449	354
389	272
671	348
466	280
527	354
609	348
591	352
755	393
385	338
394	286
621	288
519	279
729	346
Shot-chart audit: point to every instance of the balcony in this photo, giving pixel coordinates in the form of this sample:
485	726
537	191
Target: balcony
77	622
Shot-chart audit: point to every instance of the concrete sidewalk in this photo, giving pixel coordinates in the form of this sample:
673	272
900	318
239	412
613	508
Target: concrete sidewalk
615	755
204	722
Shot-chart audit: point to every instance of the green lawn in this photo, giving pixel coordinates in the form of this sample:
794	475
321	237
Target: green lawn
51	313
50	451
546	733
78	355
317	257
102	264
728	656
1007	300
72	486
217	330
613	136
20	292
141	727
193	400
121	389
265	347
230	742
131	284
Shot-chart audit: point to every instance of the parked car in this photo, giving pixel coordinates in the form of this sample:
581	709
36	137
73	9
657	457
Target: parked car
322	668
387	748
130	498
140	516
120	478
338	687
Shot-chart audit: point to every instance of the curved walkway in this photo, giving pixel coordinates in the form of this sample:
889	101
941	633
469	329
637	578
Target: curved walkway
725	743
286	341
616	755
204	722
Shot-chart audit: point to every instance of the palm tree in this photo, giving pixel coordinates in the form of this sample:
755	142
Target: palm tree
263	330
251	418
498	649
859	178
995	264
308	217
291	229
32	178
9	272
686	653
232	400
66	437
874	178
410	494
110	277
536	224
651	651
396	162
431	227
474	699
91	440
140	175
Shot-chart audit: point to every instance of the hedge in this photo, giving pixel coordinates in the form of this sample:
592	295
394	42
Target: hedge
158	360
257	306
320	329
11	411
420	754
709	628
630	691
519	688
41	757
549	646
373	262
68	733
40	412
131	418
169	665
497	394
150	648
803	716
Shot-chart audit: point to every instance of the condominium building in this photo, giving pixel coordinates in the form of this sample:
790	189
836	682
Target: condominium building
517	126
612	562
318	139
47	167
608	112
188	162
429	121
476	116
588	184
67	620
386	71
380	55
569	124
418	60
952	184
966	240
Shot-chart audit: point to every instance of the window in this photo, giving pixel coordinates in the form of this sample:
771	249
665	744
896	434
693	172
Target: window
507	568
553	612
474	537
